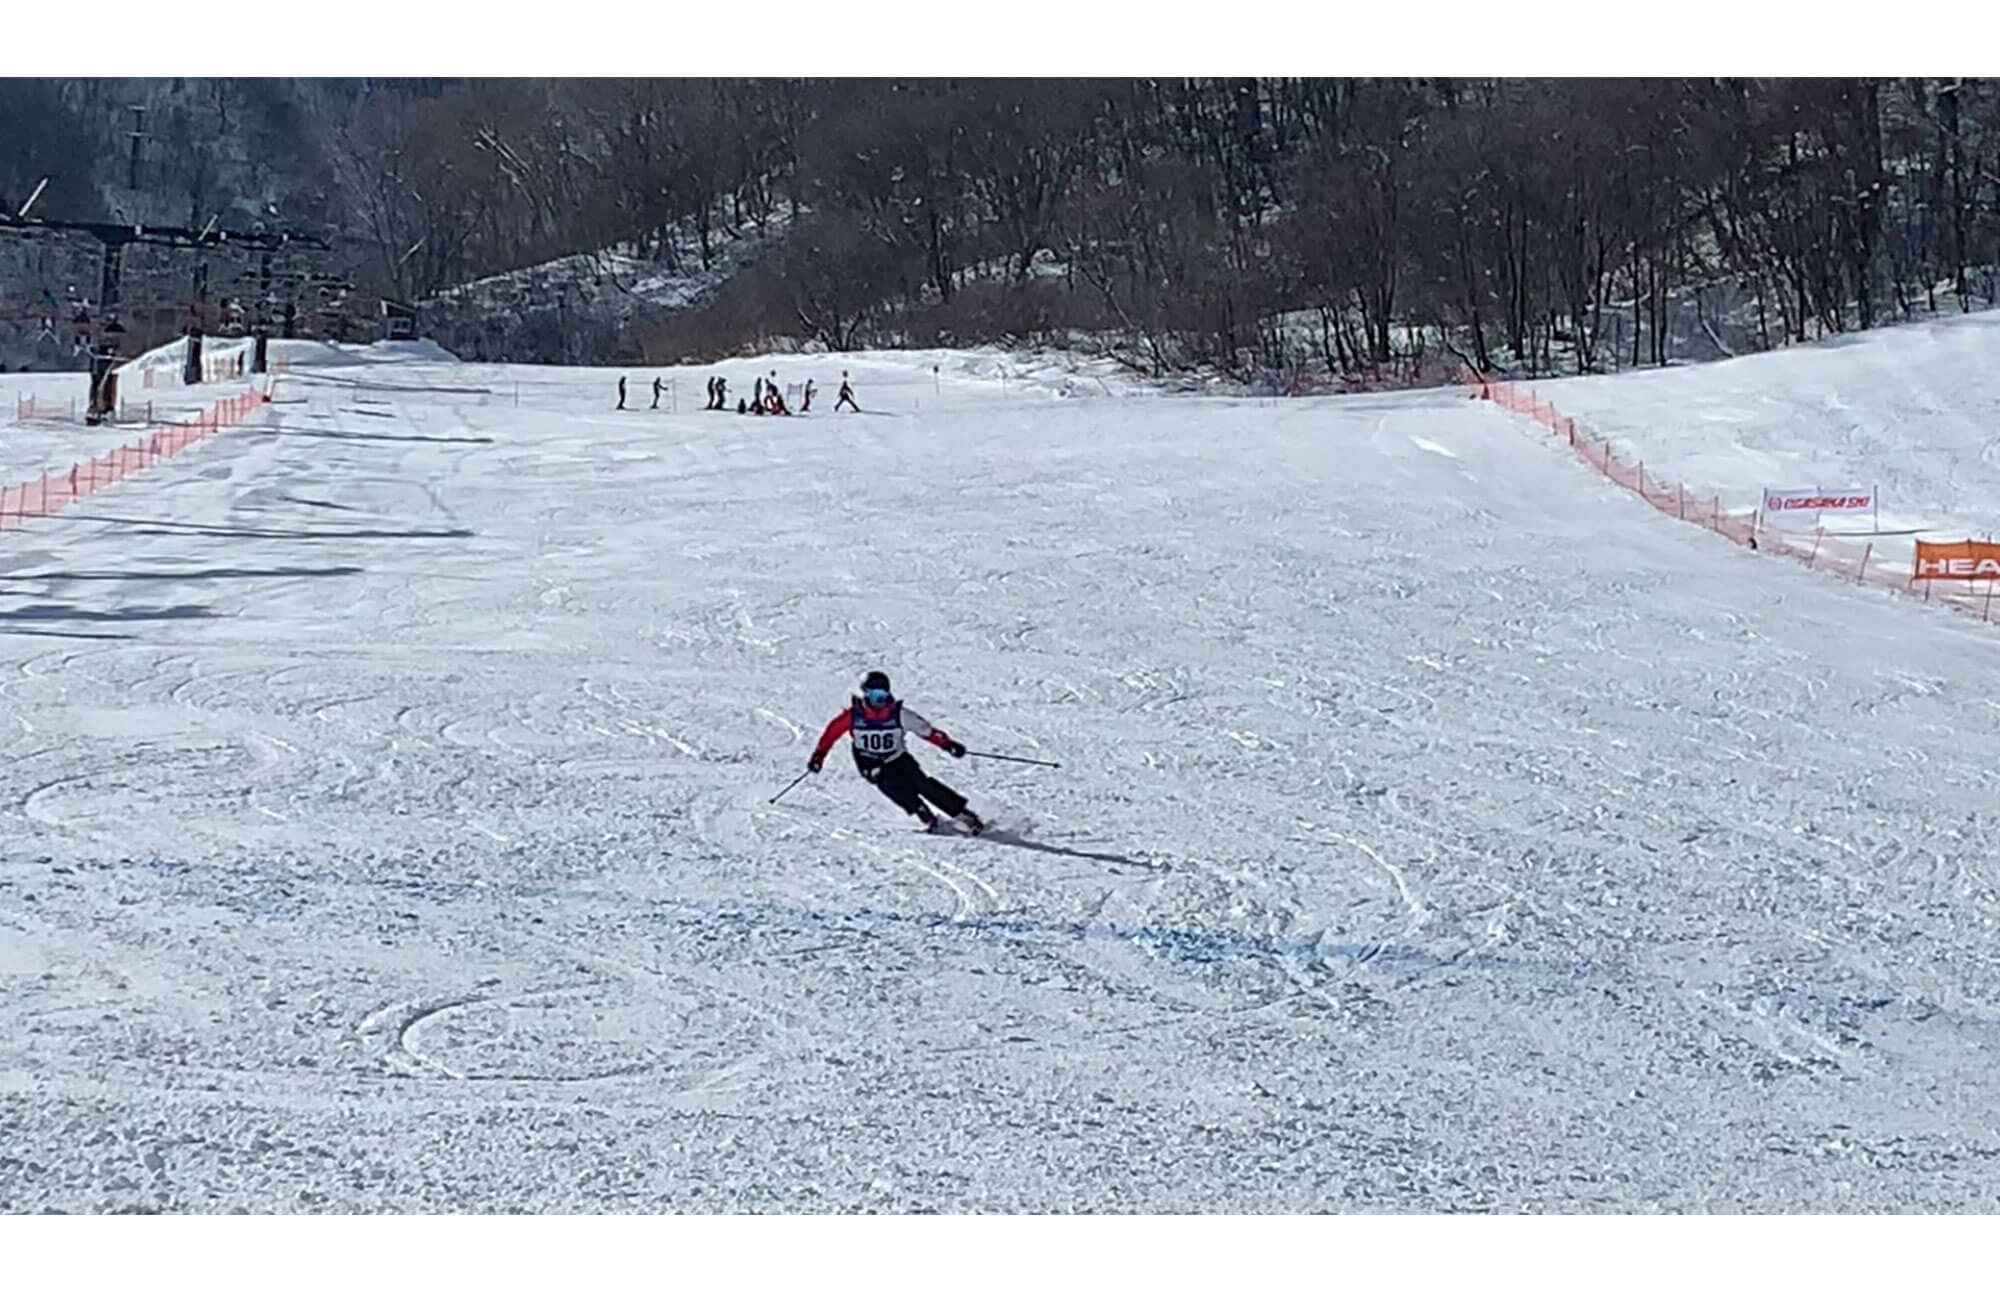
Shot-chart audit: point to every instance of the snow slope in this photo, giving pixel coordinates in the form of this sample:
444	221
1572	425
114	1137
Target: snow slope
387	823
51	435
1913	409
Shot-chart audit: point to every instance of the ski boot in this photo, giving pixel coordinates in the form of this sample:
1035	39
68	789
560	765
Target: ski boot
971	821
928	818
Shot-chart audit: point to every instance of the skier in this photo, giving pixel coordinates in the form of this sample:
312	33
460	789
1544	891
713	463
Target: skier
806	404
846	396
621	392
876	721
656	393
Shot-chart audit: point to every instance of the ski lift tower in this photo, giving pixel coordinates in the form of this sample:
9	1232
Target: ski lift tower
137	134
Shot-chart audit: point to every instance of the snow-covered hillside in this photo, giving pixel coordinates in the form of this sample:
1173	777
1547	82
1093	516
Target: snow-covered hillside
588	308
388	819
1913	409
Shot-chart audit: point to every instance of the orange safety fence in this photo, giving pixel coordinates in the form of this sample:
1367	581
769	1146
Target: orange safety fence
223	368
1856	561
53	491
30	408
33	408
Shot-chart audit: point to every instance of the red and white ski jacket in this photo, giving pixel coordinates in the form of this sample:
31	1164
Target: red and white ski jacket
878	732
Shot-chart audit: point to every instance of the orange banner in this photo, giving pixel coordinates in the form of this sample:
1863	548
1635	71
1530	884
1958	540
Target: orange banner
1968	560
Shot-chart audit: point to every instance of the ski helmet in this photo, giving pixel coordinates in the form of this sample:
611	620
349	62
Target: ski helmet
876	680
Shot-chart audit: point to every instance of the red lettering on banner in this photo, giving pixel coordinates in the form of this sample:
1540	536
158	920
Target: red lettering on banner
1840	503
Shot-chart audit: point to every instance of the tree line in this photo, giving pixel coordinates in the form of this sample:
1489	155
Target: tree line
1337	226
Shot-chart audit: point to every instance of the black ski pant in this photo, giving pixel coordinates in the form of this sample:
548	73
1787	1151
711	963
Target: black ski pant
907	786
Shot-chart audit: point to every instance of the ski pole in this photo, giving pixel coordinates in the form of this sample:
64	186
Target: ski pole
788	789
1009	758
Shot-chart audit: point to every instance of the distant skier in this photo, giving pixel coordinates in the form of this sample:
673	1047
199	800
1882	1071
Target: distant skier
846	396
621	392
722	395
656	393
876	721
806	403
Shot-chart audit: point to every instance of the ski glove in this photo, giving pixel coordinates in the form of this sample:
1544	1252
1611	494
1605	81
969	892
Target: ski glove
955	749
814	763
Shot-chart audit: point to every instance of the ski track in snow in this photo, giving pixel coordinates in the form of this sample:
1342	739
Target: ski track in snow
1438	827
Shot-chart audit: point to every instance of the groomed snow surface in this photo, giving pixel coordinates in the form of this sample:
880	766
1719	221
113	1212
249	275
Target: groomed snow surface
1439	827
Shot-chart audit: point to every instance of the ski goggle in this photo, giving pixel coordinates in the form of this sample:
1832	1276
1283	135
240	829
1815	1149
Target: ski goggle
876	694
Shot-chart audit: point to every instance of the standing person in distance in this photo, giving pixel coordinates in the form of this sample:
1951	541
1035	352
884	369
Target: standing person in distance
846	396
621	392
876	720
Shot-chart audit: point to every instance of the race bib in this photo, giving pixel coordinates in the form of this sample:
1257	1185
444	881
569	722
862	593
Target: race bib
878	742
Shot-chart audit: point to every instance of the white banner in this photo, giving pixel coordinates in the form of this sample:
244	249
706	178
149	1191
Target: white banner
1809	506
